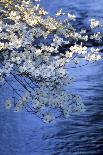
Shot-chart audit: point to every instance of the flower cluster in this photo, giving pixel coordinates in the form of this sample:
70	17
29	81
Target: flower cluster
94	23
31	49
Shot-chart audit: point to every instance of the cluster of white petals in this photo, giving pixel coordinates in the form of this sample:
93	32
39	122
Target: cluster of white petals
94	23
31	50
96	36
71	16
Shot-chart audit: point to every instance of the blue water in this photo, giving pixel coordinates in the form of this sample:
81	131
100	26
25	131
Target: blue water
23	134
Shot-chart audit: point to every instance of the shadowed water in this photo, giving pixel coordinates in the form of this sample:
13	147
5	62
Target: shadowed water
82	134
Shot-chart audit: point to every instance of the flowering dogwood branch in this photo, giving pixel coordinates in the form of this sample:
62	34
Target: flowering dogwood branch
30	50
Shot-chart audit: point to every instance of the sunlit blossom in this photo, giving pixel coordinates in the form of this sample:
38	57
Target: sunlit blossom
94	23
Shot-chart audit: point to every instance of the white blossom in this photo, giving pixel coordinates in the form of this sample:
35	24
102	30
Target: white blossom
71	16
8	104
94	23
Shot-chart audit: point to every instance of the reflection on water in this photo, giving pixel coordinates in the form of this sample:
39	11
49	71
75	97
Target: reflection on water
22	134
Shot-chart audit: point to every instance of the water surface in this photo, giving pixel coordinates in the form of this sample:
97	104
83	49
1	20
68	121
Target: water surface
23	134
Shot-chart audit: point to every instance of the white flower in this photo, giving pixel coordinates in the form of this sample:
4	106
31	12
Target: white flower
96	36
83	31
2	45
42	12
2	79
79	49
36	104
37	73
62	72
8	104
98	57
94	23
71	17
68	54
38	52
14	16
93	57
37	0
47	118
59	13
66	111
0	29
27	94
17	108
